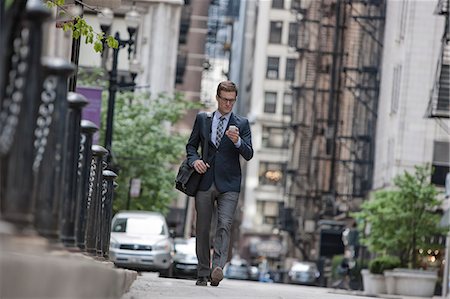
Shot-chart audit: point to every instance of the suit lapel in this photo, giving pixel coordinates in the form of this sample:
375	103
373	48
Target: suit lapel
232	121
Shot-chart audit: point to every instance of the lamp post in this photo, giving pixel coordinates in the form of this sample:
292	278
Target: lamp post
132	19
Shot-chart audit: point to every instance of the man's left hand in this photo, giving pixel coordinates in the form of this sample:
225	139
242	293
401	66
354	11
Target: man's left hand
233	135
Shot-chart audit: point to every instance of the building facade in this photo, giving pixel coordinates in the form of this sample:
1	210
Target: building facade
263	65
157	42
416	61
313	97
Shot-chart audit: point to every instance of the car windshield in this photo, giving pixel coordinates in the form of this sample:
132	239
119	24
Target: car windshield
301	267
139	226
185	246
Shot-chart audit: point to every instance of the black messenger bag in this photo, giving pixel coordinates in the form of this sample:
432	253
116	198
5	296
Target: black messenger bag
188	180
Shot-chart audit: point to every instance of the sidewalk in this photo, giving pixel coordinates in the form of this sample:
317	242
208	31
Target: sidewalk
150	286
30	268
384	296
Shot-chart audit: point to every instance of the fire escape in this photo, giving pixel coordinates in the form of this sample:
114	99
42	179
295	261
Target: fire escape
438	106
334	117
439	102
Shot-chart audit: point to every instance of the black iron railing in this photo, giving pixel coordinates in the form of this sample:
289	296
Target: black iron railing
53	180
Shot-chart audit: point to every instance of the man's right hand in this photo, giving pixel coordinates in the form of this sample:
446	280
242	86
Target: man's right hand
200	166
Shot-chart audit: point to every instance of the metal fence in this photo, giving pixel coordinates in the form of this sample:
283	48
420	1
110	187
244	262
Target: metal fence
53	180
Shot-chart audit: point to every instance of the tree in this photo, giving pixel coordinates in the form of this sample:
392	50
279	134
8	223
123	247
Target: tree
80	28
145	147
402	220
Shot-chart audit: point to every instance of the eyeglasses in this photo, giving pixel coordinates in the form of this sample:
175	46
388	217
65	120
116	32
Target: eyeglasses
231	101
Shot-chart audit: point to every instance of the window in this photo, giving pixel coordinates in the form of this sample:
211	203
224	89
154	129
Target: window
139	226
390	155
271	173
181	68
395	94
295	4
276	28
441	162
272	67
292	37
402	19
278	4
269	211
287	104
290	69
270	102
274	137
120	225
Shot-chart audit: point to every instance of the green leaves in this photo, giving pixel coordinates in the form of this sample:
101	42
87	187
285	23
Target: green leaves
112	42
80	28
146	147
402	220
53	3
98	46
8	3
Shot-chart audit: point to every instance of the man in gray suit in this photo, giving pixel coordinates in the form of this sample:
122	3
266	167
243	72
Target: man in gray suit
229	137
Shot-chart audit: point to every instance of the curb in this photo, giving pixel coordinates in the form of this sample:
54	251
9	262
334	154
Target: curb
28	269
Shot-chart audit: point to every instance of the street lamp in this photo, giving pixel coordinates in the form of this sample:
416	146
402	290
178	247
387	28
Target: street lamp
132	19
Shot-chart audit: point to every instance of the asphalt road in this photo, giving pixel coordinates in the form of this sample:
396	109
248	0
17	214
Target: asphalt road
149	285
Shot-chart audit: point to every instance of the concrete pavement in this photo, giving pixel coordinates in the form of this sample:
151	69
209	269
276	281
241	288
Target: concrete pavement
30	268
150	286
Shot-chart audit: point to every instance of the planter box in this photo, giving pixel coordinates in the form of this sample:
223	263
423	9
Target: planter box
373	283
409	282
390	280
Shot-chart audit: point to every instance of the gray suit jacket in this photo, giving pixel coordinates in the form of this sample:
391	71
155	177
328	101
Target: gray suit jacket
225	170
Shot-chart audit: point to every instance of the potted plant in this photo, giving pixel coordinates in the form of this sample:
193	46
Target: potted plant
400	222
373	279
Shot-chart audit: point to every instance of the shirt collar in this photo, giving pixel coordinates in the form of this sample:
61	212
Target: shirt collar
217	115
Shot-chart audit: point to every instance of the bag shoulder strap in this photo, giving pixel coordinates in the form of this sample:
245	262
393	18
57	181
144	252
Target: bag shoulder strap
205	143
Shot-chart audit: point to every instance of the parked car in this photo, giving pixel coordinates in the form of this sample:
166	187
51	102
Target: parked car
253	273
303	273
140	240
184	259
237	268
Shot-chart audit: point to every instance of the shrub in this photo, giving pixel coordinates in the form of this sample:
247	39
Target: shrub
402	219
381	263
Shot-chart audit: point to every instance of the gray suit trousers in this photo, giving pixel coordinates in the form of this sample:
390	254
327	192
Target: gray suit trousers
205	202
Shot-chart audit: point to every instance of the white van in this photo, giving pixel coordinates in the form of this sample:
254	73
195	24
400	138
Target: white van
140	240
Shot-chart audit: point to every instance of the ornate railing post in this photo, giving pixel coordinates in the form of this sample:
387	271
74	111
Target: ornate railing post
108	178
100	214
20	97
50	152
88	129
94	198
73	132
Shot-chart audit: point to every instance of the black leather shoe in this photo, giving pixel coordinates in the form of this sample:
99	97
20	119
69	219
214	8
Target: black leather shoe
216	276
202	281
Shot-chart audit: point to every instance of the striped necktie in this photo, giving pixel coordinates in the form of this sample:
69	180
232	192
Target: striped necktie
220	130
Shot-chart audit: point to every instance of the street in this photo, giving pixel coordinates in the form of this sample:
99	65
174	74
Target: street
149	285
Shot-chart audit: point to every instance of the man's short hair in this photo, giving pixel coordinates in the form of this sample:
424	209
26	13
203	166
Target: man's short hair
226	86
